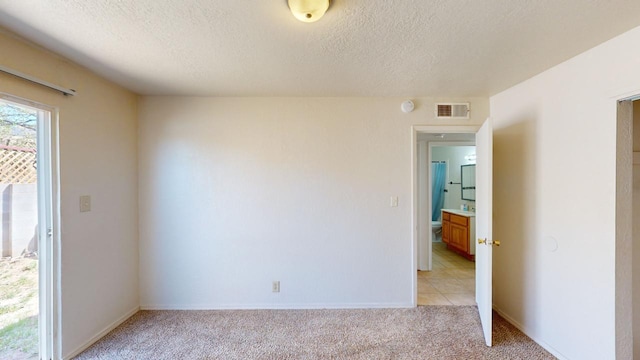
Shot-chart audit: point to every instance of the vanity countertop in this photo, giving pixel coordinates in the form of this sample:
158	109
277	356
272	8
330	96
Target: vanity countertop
460	212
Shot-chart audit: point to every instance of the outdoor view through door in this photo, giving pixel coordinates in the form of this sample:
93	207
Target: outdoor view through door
19	266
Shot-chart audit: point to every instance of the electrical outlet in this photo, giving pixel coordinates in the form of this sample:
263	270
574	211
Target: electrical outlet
85	203
275	287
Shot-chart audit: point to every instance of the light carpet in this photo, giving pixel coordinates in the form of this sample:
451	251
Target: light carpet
430	332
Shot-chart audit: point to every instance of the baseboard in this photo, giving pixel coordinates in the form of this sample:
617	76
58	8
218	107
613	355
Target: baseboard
102	333
275	306
519	326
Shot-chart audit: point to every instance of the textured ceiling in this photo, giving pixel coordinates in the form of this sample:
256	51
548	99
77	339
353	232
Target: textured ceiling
360	47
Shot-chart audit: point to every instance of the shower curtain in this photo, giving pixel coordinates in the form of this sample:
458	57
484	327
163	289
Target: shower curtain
438	173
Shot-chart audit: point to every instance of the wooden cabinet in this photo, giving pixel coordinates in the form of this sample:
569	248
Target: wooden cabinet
446	227
459	237
458	232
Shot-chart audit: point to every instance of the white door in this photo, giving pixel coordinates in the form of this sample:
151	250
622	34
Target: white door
484	208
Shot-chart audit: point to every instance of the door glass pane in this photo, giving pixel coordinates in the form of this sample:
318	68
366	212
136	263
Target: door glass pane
18	232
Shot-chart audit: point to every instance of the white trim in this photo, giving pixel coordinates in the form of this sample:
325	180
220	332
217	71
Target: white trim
27	102
519	326
102	333
636	158
414	216
56	240
264	306
622	111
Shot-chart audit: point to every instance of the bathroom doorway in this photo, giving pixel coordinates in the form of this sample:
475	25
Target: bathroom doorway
445	276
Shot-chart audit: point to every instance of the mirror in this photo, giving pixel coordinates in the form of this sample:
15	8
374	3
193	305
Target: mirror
468	180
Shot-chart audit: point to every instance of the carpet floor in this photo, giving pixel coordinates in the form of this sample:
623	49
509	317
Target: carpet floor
430	332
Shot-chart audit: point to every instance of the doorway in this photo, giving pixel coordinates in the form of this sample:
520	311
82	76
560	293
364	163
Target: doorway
433	260
26	188
446	273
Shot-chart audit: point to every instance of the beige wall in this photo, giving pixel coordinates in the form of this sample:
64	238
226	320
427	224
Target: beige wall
98	157
238	192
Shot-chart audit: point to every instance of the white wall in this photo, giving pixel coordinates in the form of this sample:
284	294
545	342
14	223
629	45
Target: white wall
455	157
238	192
98	157
555	200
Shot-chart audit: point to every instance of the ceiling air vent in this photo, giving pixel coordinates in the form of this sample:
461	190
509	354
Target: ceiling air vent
452	110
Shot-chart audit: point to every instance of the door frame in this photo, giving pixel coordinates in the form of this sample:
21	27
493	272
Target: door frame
427	129
49	257
624	236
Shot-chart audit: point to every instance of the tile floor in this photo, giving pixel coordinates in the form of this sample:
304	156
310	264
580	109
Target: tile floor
451	282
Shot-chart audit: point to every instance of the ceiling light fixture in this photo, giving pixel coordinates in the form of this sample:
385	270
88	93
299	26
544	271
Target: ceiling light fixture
308	10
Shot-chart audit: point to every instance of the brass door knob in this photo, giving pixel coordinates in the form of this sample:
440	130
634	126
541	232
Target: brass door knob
482	241
497	242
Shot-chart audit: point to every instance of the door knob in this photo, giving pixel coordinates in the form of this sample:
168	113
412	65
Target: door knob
496	242
482	241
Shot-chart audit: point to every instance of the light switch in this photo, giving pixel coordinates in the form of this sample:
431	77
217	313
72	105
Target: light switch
394	201
85	203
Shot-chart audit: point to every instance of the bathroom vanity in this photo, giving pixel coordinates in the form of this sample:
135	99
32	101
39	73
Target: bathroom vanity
459	231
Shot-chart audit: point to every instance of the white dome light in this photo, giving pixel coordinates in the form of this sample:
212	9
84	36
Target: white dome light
308	10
